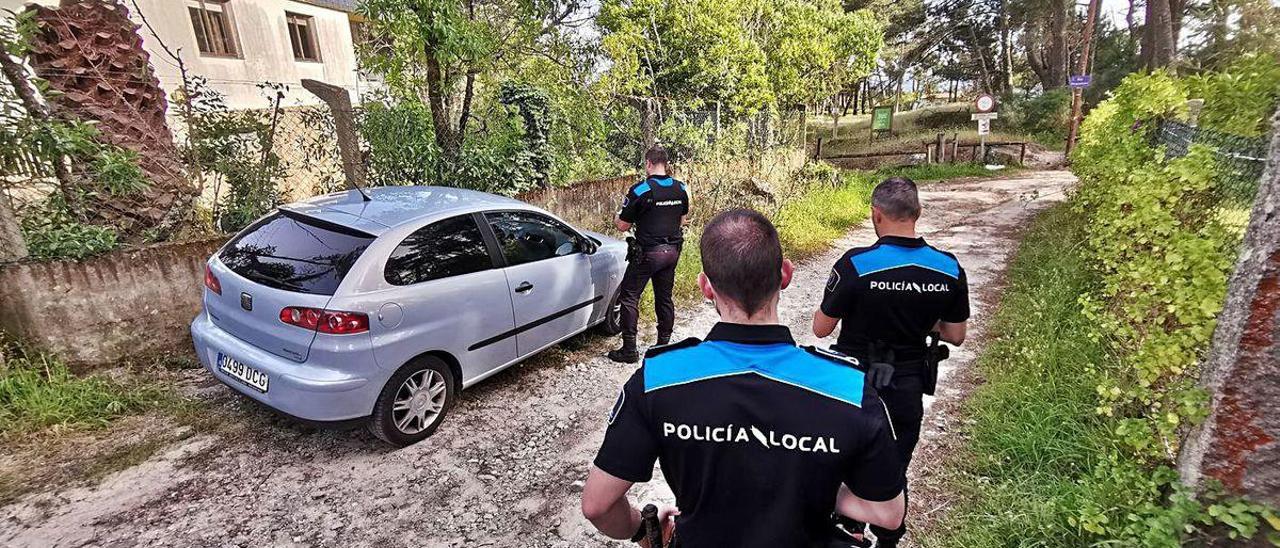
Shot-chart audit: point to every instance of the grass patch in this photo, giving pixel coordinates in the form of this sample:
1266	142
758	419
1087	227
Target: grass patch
808	224
39	392
1035	438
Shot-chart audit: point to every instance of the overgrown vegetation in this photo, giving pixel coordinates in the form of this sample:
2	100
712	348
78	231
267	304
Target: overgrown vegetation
39	392
1091	378
61	224
231	153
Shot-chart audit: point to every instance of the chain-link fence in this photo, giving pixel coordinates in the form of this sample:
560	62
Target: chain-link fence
1240	159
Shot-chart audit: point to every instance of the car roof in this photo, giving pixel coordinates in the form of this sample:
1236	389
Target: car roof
392	206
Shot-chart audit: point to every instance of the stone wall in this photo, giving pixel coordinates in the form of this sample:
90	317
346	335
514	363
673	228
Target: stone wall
95	312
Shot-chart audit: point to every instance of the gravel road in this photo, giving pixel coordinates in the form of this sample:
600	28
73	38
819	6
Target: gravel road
506	467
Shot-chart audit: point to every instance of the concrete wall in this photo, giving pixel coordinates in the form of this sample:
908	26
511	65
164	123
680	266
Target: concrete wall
95	312
266	54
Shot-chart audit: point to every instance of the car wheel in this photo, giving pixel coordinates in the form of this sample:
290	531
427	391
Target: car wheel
612	324
414	402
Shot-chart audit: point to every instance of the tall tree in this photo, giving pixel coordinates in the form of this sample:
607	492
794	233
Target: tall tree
1159	37
437	50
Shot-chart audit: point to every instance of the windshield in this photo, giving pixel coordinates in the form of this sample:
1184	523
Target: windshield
296	253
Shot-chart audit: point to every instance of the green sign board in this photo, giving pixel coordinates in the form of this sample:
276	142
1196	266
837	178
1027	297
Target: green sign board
881	118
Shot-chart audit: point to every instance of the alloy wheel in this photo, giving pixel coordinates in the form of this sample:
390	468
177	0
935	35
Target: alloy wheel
419	401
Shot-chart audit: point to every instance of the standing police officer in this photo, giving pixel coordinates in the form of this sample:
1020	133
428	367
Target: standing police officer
657	208
889	298
760	440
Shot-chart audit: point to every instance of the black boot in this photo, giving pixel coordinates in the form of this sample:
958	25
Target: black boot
663	339
628	353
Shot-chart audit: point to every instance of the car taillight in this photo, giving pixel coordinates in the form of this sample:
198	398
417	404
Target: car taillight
333	322
211	281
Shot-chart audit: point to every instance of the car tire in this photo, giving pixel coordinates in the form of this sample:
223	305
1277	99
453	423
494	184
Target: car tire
612	324
408	412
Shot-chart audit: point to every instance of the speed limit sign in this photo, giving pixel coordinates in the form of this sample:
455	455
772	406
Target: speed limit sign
985	103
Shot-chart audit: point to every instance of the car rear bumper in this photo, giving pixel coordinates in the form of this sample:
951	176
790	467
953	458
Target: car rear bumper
308	391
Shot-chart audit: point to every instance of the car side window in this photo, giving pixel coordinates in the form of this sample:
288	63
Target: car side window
451	247
525	237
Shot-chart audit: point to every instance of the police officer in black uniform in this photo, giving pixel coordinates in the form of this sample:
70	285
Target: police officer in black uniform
889	298
656	207
759	439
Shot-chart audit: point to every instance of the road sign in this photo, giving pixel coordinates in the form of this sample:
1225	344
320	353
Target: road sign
984	126
984	116
985	103
1079	80
881	118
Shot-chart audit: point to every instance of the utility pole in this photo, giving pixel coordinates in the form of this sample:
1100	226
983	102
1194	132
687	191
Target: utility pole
1077	92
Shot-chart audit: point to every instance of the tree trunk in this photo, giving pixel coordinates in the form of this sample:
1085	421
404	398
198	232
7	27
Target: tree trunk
1032	43
446	137
1158	45
1005	79
897	91
982	61
1056	53
1129	21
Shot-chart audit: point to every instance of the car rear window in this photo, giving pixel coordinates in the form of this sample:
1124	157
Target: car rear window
296	253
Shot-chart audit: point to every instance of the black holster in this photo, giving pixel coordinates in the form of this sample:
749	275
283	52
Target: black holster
633	250
935	352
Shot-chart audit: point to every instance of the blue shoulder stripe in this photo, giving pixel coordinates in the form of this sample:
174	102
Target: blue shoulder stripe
664	181
784	363
641	188
888	257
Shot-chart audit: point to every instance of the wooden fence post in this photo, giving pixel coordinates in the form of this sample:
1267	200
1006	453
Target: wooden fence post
344	122
1239	443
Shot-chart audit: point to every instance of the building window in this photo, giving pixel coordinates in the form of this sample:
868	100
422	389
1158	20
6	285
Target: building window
302	34
215	32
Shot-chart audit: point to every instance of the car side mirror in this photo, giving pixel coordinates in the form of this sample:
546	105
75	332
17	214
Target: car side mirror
589	247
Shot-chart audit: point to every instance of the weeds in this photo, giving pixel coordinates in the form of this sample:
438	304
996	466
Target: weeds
38	392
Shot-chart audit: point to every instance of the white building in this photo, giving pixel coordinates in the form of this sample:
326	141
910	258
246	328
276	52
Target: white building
239	44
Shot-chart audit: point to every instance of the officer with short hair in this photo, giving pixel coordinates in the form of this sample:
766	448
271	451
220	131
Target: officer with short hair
889	298
657	208
759	439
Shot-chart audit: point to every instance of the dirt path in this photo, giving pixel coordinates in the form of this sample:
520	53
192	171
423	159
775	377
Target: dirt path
506	467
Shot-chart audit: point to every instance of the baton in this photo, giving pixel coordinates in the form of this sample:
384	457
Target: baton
652	527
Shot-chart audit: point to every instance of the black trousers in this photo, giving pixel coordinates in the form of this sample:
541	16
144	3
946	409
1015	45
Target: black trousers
904	400
659	265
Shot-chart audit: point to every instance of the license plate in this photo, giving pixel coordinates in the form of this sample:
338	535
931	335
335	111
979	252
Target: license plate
243	373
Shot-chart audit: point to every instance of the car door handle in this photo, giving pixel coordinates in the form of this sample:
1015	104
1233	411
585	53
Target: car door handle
524	287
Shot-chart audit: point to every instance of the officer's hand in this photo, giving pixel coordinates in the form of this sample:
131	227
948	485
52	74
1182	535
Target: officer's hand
667	517
879	374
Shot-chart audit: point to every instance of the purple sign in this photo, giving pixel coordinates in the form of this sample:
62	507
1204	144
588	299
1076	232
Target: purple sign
1079	81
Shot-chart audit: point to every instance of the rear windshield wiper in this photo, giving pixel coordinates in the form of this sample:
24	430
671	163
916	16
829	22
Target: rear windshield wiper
261	277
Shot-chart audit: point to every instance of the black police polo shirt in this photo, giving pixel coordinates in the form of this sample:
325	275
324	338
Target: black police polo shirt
754	435
655	206
894	292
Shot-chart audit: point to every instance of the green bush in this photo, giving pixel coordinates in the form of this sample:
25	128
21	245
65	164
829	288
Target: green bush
1091	380
1046	115
1240	99
402	145
52	232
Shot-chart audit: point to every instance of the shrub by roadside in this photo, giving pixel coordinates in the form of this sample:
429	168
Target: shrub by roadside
1090	381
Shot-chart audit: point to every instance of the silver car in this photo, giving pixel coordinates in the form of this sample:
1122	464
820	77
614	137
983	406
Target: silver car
340	308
